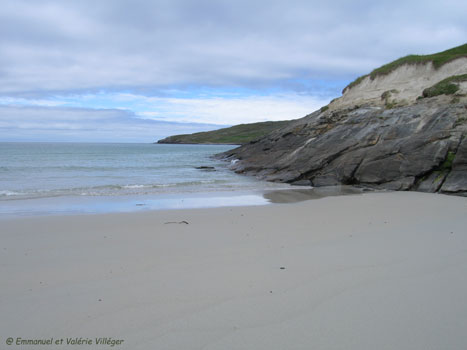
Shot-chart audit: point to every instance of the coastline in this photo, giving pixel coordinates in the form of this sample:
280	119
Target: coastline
96	205
80	178
377	270
198	143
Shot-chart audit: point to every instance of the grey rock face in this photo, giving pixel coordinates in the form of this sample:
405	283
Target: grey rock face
404	148
456	181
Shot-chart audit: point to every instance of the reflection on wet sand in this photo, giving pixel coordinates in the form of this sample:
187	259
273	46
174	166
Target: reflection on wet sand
304	194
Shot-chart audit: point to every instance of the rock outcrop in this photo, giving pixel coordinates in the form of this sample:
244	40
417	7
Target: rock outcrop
422	146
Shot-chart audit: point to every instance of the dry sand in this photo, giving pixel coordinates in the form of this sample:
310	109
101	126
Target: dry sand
372	271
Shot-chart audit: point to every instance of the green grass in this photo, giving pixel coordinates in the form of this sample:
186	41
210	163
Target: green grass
447	164
238	134
445	167
445	86
438	59
460	120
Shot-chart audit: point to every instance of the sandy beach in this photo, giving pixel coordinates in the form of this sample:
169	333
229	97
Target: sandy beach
370	271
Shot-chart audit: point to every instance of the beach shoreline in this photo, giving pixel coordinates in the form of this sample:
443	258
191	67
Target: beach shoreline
377	270
86	205
97	205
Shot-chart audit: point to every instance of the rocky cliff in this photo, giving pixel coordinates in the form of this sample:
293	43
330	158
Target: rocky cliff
373	139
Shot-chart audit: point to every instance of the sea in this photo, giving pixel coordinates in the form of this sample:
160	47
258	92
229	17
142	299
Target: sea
70	178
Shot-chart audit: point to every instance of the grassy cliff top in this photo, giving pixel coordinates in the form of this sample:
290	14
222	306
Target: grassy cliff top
438	59
237	135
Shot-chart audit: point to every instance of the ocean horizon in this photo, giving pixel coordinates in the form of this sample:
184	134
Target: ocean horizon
38	178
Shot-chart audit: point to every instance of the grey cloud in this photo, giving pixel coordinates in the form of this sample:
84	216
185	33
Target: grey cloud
64	45
80	124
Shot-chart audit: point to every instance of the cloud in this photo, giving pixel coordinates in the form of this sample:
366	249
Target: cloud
205	108
234	110
80	124
62	46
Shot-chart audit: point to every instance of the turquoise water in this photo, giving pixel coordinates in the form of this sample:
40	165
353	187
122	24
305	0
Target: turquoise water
112	173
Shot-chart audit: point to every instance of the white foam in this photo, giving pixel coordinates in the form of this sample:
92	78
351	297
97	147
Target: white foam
135	186
10	193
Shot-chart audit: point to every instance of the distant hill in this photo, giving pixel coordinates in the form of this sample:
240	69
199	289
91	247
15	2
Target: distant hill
235	135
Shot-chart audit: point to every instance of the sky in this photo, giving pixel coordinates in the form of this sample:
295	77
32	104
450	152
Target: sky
138	71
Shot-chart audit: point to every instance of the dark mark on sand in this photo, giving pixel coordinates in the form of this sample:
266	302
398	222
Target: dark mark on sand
177	222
